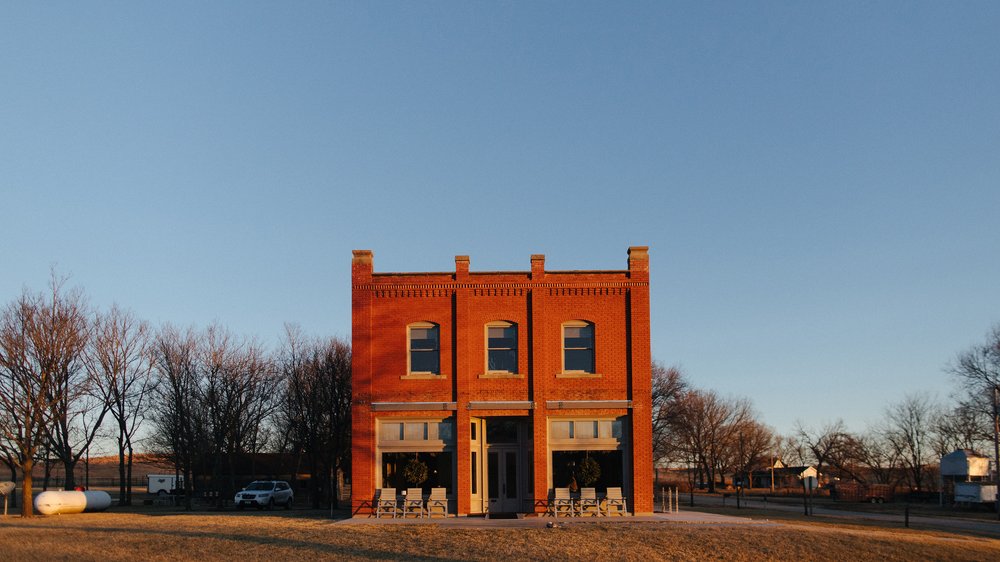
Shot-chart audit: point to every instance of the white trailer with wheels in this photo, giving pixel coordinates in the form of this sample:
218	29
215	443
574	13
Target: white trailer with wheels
975	492
163	484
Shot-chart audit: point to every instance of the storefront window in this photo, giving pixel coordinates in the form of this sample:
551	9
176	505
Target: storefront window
568	468
439	470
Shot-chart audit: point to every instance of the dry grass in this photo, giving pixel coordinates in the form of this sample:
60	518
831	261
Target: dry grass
846	521
253	536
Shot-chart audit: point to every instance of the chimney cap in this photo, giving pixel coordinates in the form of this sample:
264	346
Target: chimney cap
638	252
363	256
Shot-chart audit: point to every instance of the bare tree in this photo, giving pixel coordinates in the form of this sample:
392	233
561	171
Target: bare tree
76	413
316	409
239	391
847	457
754	446
40	341
707	426
790	450
978	371
966	426
978	368
878	456
216	395
668	387
827	445
119	364
177	414
909	428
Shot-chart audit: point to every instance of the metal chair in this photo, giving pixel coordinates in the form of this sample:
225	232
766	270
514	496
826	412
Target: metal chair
588	504
386	504
562	503
614	503
437	503
413	503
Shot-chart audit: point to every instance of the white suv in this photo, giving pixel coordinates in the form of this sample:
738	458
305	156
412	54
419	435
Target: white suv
265	493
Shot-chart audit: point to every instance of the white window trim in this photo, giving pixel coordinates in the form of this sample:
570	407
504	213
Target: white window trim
565	373
422	374
588	443
414	445
490	373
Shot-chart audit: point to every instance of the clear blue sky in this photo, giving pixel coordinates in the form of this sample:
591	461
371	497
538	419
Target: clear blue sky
819	183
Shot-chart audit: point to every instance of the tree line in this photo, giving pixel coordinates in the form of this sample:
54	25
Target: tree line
718	437
70	374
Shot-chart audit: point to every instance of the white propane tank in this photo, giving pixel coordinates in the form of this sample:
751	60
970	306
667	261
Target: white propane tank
55	503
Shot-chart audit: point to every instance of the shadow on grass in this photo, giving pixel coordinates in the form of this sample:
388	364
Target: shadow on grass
295	513
304	548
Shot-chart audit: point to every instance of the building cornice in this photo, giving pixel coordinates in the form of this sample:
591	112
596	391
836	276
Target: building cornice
526	285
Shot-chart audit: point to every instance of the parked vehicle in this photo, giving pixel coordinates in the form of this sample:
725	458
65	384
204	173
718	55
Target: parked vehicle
265	493
164	484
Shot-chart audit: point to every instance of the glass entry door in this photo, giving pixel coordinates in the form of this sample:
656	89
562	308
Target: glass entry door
502	480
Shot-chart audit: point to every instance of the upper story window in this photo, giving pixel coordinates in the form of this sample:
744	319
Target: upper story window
501	347
423	341
578	347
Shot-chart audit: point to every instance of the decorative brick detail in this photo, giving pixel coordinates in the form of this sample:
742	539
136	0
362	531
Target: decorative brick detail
586	291
499	292
412	293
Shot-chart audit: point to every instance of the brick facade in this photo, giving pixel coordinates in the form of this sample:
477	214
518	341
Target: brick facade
507	437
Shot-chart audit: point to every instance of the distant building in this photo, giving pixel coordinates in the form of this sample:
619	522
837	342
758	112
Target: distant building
501	384
965	465
962	472
782	476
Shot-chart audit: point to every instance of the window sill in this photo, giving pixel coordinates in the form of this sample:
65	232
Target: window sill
501	375
422	376
577	375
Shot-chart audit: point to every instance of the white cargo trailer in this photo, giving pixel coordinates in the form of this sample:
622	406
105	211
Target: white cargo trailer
975	492
163	484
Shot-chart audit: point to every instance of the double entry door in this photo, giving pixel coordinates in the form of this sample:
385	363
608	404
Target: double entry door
503	478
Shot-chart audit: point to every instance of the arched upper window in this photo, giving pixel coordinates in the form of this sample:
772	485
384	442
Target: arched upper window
578	347
423	347
501	347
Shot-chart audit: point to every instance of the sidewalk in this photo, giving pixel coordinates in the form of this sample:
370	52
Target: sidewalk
684	517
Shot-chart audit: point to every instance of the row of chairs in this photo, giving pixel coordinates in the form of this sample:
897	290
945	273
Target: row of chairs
564	505
413	504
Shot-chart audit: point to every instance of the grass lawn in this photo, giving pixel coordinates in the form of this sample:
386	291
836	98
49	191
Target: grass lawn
306	535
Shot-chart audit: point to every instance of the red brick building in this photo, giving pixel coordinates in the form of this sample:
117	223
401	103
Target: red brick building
502	383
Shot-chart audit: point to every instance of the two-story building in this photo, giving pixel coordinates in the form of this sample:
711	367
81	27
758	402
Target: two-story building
504	385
